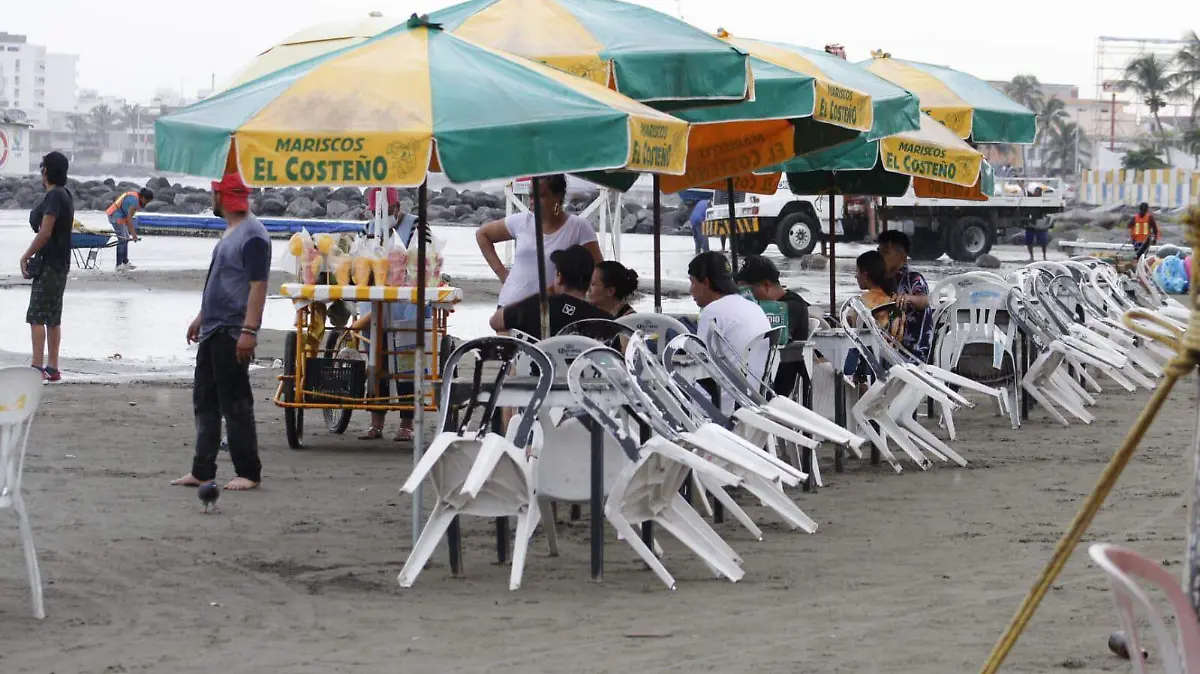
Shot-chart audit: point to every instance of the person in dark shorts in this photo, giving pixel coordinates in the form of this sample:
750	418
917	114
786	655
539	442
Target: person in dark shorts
226	329
1039	236
568	297
761	277
47	262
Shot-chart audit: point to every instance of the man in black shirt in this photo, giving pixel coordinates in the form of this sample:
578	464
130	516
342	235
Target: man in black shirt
47	262
761	277
568	297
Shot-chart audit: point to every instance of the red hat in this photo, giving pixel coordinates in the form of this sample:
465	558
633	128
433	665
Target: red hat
235	196
393	197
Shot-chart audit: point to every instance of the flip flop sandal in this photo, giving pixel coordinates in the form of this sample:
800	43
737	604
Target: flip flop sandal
372	434
403	435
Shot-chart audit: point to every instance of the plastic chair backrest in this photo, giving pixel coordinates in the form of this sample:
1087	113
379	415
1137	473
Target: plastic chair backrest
659	329
749	389
691	349
885	348
656	382
563	350
603	330
605	365
1124	567
20	396
504	352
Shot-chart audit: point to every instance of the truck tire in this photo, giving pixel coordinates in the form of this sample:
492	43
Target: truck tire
752	244
969	238
927	245
797	234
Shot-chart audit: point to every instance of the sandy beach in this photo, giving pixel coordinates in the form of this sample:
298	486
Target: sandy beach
911	572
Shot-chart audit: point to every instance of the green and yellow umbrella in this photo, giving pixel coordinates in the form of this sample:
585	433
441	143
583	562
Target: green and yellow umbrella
311	42
641	53
415	99
973	109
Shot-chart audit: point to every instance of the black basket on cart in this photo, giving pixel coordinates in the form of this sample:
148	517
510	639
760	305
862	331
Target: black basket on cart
334	377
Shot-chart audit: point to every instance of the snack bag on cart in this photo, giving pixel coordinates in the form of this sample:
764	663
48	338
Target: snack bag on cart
433	262
325	242
397	274
340	264
361	261
379	264
294	256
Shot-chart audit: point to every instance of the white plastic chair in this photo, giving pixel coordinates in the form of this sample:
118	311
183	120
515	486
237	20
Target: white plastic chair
480	472
648	489
659	329
20	395
1125	568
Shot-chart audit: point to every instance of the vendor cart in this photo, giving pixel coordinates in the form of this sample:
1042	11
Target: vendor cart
339	369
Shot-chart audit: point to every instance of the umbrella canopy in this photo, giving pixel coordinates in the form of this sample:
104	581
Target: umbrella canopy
968	106
310	42
414	99
932	154
644	54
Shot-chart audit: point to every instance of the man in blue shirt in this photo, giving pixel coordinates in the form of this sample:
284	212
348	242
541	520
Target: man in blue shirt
697	222
226	329
121	217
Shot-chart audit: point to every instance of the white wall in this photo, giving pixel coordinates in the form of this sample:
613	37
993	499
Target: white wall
14	150
62	75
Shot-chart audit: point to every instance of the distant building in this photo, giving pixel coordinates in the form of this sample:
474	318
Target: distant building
33	80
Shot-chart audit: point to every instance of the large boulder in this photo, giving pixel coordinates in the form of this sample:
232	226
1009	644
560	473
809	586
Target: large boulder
158	183
201	198
192	208
336	210
987	261
271	205
126	186
462	210
300	207
155	206
814	261
110	182
347	194
450	193
439	201
180	199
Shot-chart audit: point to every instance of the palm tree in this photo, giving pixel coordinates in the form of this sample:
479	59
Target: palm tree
1187	72
131	116
1142	159
1026	90
1049	113
1191	144
1151	79
1066	146
103	120
80	125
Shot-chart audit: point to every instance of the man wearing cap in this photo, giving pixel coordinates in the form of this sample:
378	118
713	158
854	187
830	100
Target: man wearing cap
226	329
761	277
739	320
568	297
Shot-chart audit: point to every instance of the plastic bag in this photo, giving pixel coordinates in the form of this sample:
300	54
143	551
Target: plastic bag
433	262
397	256
314	263
361	260
340	264
294	255
379	263
1171	275
324	243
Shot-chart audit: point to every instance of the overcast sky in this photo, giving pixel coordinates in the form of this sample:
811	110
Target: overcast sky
131	51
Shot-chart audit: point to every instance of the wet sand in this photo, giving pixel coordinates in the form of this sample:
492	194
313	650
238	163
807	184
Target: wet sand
916	572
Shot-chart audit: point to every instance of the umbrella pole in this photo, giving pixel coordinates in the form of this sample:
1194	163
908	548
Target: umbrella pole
539	241
882	215
733	233
657	245
832	257
419	357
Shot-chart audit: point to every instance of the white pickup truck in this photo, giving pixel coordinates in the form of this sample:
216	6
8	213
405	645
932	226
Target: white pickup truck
963	229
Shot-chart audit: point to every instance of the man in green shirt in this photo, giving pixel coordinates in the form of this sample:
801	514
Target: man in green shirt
761	277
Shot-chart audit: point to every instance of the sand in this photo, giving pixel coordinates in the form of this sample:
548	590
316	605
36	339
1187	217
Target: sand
916	572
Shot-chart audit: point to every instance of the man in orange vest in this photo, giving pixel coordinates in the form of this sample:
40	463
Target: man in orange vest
1143	230
120	216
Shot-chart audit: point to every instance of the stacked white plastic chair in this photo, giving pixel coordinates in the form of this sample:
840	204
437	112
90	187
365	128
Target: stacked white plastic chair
972	309
901	385
647	490
702	428
20	395
481	472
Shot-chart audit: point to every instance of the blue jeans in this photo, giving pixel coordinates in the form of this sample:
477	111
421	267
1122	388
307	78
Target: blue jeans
122	242
699	238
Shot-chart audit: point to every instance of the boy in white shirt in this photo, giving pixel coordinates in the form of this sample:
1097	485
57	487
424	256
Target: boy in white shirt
736	318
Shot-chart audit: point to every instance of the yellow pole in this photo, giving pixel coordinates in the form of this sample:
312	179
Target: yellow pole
1187	347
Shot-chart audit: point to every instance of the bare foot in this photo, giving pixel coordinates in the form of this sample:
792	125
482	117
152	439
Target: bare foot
187	481
241	484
